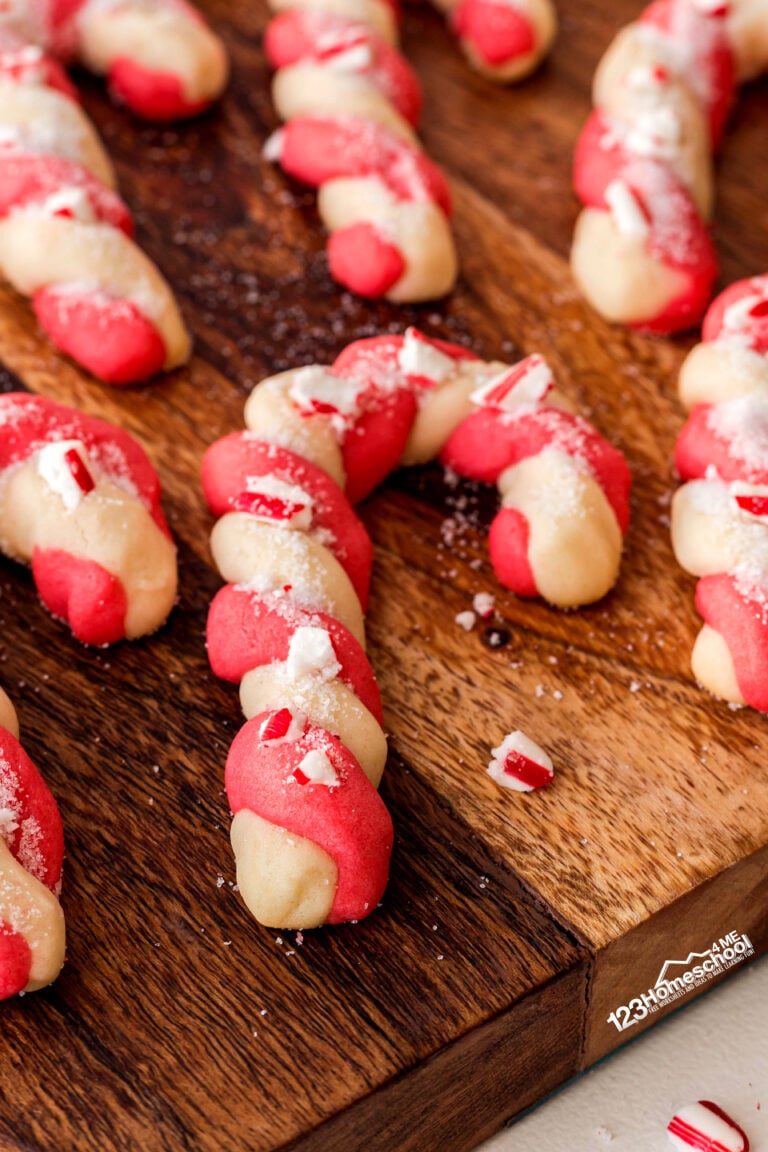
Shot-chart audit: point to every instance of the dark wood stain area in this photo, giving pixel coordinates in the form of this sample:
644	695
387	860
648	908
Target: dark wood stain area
512	925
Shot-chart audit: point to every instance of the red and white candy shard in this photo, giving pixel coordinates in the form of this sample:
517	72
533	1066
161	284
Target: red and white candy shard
277	502
282	727
316	768
751	499
705	1127
627	210
311	653
317	392
527	384
65	467
520	764
422	360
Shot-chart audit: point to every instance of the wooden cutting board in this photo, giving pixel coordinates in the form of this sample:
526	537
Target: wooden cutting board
514	926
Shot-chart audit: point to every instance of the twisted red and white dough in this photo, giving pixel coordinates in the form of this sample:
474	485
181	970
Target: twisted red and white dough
65	236
503	39
720	516
642	254
159	56
311	836
32	933
350	103
80	503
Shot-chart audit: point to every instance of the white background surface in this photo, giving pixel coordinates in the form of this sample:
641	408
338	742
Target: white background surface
714	1049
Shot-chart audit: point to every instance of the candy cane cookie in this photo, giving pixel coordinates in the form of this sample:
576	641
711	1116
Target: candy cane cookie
288	625
642	254
159	56
66	237
349	103
80	503
504	39
720	514
32	932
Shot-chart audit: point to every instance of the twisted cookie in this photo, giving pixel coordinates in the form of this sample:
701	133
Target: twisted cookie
159	56
720	516
80	502
311	836
642	253
32	934
350	103
65	236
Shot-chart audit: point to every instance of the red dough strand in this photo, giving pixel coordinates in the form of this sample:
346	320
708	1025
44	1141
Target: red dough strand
153	95
508	538
363	260
109	337
15	961
498	32
82	594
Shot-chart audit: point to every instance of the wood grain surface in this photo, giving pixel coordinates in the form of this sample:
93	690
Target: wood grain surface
513	925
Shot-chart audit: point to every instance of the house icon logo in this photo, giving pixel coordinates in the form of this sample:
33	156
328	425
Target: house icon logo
671	968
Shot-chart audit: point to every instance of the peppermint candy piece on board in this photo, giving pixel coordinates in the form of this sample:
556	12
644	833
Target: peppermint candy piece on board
705	1127
520	764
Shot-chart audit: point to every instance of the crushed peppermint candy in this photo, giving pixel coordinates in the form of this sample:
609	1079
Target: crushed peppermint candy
282	727
750	498
520	764
311	653
484	605
422	361
317	392
628	213
63	465
737	316
349	58
643	78
316	768
273	500
71	203
466	620
523	386
705	1127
